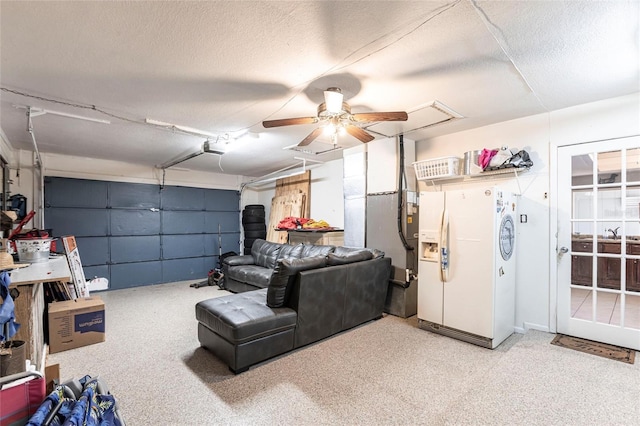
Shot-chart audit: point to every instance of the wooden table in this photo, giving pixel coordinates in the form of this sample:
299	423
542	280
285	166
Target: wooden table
322	236
30	304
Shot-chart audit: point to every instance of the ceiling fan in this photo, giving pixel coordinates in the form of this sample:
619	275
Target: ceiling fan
335	117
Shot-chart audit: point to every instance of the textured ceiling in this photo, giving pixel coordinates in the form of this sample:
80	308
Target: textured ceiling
224	66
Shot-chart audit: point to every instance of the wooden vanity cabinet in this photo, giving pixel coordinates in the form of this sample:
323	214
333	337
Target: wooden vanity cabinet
608	268
633	268
581	266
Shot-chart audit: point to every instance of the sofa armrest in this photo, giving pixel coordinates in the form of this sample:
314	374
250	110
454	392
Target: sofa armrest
283	276
317	295
245	259
366	292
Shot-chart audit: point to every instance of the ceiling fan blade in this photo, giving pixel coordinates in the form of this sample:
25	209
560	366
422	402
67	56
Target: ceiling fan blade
381	116
311	137
360	134
289	121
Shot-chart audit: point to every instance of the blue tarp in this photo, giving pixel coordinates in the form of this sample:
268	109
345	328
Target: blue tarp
90	409
8	326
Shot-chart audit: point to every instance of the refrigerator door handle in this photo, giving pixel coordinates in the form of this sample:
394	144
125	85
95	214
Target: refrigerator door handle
444	247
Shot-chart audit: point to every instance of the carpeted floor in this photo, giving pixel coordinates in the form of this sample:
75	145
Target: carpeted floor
382	373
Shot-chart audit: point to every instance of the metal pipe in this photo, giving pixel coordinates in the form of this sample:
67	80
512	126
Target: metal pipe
33	137
261	182
406	245
38	163
266	179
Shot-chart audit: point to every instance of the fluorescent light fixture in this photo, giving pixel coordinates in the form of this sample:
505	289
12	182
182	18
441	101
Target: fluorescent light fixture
244	133
208	147
333	100
186	129
40	111
304	160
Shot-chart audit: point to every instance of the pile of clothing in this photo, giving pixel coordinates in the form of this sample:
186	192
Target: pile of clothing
302	223
493	159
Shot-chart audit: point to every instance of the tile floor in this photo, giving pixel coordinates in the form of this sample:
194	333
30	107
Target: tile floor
608	307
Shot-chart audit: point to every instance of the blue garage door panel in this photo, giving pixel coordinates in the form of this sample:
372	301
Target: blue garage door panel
63	192
77	222
186	269
93	250
135	249
182	198
127	275
174	222
135	222
101	271
222	200
133	195
181	246
230	242
229	221
122	238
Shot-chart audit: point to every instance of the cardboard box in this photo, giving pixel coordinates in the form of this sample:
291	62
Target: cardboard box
76	323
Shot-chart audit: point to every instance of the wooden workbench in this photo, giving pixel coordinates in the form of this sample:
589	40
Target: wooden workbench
30	304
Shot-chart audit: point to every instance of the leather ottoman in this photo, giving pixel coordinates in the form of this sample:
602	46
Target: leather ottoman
241	330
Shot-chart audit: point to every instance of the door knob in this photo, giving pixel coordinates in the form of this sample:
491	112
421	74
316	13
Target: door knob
562	251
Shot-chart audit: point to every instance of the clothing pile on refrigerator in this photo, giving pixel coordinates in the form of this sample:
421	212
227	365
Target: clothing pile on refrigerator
79	402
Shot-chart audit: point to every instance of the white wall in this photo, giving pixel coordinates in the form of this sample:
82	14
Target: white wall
327	201
87	168
539	135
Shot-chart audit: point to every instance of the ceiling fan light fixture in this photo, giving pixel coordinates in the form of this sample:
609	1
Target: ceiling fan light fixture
334	118
333	100
329	129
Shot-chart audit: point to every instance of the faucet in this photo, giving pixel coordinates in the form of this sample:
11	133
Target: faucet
614	232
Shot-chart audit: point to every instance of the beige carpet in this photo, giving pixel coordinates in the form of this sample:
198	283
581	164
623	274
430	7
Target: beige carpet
383	373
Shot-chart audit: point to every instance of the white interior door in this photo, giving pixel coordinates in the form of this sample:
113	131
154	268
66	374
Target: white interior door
599	241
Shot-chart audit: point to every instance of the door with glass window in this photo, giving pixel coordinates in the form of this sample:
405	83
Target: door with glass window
599	241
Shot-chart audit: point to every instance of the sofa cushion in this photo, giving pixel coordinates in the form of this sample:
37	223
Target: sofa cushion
343	251
244	317
251	274
245	259
351	257
284	274
309	250
265	253
377	254
290	252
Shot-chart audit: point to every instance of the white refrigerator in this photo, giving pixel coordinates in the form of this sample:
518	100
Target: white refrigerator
466	264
